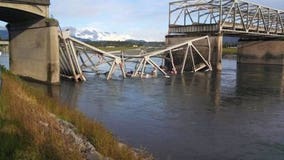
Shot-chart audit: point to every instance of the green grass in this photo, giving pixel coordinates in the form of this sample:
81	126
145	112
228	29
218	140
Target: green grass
229	51
23	137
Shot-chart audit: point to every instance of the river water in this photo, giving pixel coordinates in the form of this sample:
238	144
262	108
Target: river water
235	115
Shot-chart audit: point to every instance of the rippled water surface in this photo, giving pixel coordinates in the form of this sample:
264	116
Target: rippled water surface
235	115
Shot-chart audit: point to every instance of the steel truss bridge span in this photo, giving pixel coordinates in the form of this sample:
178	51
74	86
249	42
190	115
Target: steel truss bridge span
231	17
77	57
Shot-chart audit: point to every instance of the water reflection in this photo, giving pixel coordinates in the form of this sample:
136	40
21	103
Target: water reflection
282	84
216	89
50	90
4	59
69	92
259	80
202	85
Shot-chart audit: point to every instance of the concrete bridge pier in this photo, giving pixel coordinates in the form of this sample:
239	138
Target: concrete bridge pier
216	42
217	52
34	50
261	52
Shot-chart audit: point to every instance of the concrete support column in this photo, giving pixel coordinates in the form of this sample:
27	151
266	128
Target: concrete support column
261	52
34	50
217	54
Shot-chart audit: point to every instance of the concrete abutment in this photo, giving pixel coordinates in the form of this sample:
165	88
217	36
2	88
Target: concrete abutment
34	50
261	52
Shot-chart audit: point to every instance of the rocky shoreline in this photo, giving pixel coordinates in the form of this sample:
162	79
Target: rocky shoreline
85	147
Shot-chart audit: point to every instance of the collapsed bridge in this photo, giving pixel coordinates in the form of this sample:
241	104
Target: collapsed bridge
194	41
76	56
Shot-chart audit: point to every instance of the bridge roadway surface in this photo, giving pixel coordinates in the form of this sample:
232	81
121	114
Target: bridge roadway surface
40	2
229	17
22	11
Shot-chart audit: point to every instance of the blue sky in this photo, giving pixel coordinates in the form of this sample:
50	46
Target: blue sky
142	19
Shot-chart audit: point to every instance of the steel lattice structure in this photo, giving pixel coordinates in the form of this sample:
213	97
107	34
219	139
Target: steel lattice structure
77	56
225	16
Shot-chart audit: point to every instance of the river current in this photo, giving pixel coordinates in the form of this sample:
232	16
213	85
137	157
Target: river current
237	114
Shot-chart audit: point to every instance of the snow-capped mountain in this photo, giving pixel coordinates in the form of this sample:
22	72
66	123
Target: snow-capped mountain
94	35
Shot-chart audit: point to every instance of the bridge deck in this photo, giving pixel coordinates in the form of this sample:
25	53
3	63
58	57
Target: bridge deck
204	28
227	30
40	2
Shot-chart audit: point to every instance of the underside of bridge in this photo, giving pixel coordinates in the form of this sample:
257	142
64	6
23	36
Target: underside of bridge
33	39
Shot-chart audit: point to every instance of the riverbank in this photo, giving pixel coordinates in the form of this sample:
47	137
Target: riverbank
230	53
34	126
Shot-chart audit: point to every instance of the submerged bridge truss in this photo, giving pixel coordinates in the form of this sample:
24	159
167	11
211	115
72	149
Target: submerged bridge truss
77	56
231	17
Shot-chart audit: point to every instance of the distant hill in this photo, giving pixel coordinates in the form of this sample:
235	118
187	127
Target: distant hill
133	40
126	44
231	39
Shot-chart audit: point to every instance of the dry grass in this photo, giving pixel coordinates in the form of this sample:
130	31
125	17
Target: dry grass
24	114
32	132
